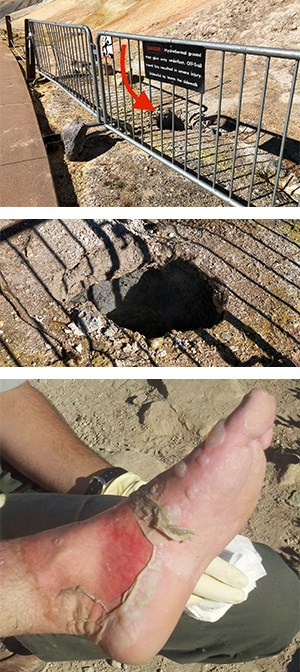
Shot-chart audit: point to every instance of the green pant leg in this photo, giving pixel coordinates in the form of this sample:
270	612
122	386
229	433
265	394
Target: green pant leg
261	626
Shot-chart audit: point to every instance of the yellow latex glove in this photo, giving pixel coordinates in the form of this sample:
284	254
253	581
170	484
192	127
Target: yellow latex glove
221	581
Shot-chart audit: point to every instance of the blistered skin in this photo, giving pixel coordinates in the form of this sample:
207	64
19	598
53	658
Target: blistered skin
156	517
122	578
115	560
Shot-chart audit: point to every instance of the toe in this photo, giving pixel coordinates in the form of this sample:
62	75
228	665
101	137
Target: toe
253	417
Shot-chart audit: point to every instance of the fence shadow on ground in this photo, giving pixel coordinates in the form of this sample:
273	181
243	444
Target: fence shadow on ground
37	315
64	188
15	239
220	252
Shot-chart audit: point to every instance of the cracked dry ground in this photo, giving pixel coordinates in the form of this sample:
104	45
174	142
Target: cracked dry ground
49	265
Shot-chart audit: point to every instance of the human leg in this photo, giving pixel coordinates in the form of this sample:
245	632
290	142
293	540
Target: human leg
235	450
261	626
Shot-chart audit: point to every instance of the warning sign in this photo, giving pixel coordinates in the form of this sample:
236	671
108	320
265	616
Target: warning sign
179	64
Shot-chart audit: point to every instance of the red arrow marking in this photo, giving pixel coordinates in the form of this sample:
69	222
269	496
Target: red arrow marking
142	101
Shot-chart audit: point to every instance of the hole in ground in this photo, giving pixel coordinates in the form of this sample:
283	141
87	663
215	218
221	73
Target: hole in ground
156	300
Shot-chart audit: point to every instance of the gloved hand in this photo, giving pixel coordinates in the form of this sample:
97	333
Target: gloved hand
221	581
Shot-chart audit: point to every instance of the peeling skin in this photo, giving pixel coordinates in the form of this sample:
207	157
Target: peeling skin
154	514
81	622
82	591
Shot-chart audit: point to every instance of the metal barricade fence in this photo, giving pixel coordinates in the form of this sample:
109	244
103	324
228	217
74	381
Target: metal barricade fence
215	135
215	119
65	54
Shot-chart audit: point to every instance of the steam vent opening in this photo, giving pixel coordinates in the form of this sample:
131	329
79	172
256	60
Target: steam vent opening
156	300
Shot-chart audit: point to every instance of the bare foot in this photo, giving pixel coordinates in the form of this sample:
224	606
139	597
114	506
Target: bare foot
122	578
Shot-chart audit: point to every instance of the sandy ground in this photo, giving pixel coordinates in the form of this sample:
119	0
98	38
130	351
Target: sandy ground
129	15
50	266
146	425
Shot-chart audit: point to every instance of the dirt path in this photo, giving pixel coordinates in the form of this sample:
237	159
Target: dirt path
159	427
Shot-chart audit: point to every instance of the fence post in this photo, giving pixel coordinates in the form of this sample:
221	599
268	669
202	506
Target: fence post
30	63
10	38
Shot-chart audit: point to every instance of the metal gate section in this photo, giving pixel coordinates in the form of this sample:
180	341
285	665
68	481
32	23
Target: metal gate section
222	115
64	53
207	123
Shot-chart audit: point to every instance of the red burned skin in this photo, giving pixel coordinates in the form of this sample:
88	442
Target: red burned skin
125	557
117	552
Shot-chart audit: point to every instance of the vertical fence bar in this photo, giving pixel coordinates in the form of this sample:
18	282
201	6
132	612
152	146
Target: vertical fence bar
41	49
84	69
140	87
84	66
200	136
101	82
161	119
123	92
115	83
74	65
173	123
10	38
238	116
37	42
151	116
261	113
87	65
186	127
88	57
44	50
71	61
130	80
92	50
219	117
64	58
54	36
108	81
285	129
30	63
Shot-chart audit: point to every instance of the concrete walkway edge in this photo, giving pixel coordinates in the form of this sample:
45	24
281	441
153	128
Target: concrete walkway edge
25	177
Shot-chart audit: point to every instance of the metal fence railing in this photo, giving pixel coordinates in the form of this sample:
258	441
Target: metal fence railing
65	54
214	115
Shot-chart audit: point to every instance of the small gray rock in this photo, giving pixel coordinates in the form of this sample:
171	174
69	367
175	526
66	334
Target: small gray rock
107	295
73	137
89	323
85	323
